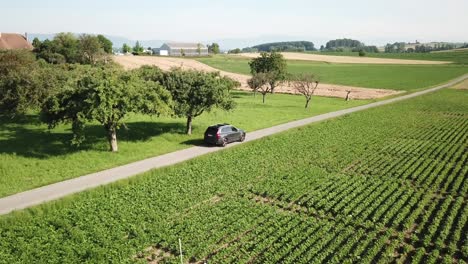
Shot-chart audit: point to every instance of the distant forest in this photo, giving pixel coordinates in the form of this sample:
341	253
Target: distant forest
283	46
345	44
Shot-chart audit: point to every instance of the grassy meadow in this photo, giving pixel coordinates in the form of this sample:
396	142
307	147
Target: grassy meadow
457	57
396	77
32	156
385	185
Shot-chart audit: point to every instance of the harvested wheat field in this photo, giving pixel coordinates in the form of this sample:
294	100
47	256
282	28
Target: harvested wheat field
346	59
328	90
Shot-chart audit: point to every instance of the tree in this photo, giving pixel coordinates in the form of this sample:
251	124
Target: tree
126	48
272	63
105	95
23	83
196	92
213	48
90	49
235	51
36	43
306	84
199	46
138	48
67	45
106	44
260	82
362	53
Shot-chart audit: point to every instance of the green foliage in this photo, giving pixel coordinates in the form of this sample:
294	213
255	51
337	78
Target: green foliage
235	51
25	83
91	49
273	64
67	48
213	48
362	53
126	48
314	194
106	44
286	46
34	156
343	43
196	92
67	45
105	95
138	48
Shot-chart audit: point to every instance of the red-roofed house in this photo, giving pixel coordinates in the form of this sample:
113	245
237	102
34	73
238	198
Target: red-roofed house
14	41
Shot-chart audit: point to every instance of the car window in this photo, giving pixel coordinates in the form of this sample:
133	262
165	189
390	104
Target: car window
234	129
212	130
226	129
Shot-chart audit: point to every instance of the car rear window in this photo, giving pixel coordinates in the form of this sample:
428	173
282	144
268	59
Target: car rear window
212	130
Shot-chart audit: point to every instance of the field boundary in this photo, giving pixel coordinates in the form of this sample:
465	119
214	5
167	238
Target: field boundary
61	189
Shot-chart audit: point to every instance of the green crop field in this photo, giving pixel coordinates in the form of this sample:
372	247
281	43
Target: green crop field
384	185
457	57
397	77
31	156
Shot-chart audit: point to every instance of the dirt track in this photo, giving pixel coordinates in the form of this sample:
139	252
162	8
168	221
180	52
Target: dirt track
345	59
329	90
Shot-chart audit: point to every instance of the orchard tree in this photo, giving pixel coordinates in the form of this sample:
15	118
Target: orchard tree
150	73
90	49
306	84
196	92
105	95
272	63
24	82
260	82
67	45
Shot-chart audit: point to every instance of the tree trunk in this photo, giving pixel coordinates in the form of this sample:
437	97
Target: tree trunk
263	94
307	102
272	85
189	125
112	137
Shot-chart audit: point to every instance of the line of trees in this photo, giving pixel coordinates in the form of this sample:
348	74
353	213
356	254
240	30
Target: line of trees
68	48
345	44
79	94
286	46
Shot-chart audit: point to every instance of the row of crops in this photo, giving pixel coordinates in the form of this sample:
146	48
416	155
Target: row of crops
384	185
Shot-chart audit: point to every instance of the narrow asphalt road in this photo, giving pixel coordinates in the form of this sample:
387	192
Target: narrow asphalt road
58	190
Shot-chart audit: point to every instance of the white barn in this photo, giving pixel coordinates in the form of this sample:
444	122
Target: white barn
181	49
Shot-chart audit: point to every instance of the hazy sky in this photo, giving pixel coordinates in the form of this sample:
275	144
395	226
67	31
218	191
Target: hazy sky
372	21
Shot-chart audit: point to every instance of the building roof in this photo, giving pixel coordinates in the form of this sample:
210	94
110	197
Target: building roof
14	41
179	45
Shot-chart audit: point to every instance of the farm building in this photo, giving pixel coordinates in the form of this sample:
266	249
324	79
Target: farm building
14	41
181	49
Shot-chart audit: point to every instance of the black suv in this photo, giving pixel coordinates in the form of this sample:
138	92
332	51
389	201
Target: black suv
221	134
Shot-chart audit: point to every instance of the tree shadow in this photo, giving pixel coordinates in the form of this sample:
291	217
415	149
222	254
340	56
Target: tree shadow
41	143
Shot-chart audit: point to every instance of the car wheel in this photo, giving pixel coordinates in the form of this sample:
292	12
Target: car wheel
242	138
224	142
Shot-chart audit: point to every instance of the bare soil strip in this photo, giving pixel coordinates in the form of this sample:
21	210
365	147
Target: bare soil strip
346	59
328	90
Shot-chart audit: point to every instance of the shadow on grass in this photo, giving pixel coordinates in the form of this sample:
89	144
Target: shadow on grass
41	143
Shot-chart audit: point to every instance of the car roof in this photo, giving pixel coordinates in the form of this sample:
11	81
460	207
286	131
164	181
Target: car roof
219	125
